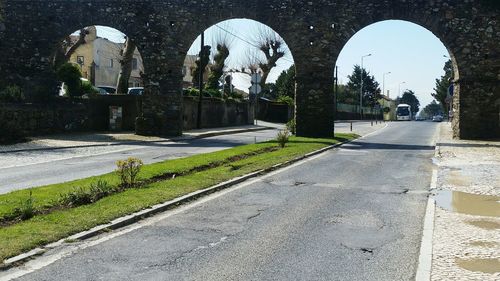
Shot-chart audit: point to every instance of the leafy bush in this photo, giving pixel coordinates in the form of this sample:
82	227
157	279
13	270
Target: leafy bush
27	209
12	93
70	74
285	99
128	170
82	196
282	137
87	88
291	126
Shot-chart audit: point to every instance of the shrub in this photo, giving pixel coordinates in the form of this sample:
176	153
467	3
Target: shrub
82	196
128	170
282	137
70	74
12	93
285	99
27	209
87	88
291	126
79	196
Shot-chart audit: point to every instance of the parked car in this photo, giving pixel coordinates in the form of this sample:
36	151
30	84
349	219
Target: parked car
136	91
419	118
437	118
108	89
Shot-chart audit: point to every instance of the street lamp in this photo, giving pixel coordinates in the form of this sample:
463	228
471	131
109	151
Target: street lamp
399	90
361	88
383	83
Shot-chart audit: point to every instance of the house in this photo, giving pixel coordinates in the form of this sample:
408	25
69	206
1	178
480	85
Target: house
188	69
390	104
99	59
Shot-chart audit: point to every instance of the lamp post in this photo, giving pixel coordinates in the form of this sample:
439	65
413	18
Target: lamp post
383	83
361	87
399	90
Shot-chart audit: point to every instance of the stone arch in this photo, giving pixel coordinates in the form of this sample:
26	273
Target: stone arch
468	28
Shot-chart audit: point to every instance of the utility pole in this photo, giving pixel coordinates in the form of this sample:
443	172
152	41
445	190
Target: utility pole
200	82
336	91
361	89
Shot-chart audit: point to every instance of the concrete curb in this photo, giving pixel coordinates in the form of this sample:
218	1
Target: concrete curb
175	139
424	269
130	219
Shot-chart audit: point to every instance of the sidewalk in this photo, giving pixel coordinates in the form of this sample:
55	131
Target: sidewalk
81	140
466	238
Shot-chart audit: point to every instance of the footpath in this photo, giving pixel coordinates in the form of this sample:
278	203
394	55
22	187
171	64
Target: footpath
466	237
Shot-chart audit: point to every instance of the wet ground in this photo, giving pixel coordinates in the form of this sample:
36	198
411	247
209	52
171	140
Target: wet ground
466	242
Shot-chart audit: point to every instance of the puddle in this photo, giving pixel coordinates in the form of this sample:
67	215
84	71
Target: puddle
484	244
480	265
470	204
488	225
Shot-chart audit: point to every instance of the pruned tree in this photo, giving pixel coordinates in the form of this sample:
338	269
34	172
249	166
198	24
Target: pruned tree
127	54
201	63
273	47
68	48
219	60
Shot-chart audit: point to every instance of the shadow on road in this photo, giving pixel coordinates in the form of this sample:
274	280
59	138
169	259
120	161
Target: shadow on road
387	146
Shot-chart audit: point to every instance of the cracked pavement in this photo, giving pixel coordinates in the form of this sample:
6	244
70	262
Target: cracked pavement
355	213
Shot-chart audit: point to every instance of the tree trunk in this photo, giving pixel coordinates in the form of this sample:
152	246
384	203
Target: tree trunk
126	67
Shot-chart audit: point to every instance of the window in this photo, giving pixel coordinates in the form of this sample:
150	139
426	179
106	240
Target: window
110	63
134	64
80	60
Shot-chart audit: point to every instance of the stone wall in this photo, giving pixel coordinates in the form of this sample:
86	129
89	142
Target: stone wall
39	119
315	31
93	114
216	113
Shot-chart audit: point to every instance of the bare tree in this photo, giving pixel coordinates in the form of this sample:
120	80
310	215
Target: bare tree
273	47
68	48
219	60
126	66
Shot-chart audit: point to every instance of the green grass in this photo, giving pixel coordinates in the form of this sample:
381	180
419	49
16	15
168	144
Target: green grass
43	229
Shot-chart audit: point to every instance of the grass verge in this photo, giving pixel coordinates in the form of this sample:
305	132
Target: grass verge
45	228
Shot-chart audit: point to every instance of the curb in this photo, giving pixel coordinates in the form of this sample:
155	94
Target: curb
424	268
175	139
135	217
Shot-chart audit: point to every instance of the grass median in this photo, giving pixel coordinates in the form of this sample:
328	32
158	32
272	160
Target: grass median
161	182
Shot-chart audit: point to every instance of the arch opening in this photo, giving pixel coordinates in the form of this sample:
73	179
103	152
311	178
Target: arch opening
395	62
108	60
234	51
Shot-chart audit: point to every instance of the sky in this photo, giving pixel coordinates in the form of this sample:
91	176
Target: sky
410	52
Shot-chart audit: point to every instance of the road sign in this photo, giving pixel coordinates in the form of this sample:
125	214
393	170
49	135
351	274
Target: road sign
255	89
256	78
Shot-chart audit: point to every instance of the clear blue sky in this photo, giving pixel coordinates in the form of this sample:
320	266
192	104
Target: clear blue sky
410	52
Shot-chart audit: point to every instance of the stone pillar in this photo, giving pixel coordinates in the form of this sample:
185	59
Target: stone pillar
161	110
476	108
314	111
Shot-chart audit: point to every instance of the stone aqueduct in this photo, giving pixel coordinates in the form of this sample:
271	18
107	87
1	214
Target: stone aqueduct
315	31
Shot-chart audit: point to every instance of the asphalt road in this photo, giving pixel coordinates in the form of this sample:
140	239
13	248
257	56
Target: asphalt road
71	166
354	213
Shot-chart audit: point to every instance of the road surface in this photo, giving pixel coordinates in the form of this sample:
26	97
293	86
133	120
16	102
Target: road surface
354	213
